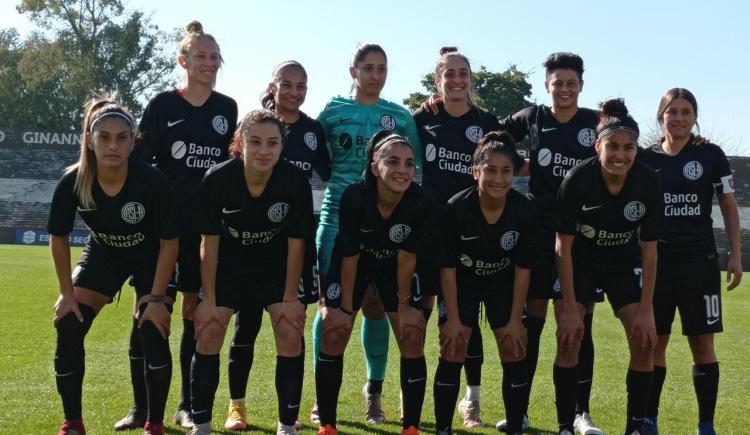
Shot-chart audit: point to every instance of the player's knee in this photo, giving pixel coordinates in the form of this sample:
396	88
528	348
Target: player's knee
411	344
641	360
69	353
702	347
509	352
334	342
288	341
210	339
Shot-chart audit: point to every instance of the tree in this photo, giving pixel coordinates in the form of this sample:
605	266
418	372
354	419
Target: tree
502	93
79	46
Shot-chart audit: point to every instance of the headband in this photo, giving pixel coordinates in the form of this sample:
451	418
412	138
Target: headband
390	139
615	128
108	113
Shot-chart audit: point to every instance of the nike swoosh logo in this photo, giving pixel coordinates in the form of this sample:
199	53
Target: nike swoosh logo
290	406
544	130
240	345
199	412
151	367
657	170
598	290
469	237
590	207
411	381
711	321
173	123
324	359
136	358
343	120
367	230
62	375
518	385
225	211
417	298
440	384
86	209
432	127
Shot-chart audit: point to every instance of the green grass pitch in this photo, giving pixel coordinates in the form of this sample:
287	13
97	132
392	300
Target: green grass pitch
29	403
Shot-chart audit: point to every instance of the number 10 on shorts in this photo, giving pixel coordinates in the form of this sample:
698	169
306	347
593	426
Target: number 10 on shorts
712	306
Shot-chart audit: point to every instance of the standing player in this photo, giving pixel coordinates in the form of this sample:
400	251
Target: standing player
607	206
450	137
305	148
185	132
485	235
128	207
257	211
348	124
561	137
688	276
383	220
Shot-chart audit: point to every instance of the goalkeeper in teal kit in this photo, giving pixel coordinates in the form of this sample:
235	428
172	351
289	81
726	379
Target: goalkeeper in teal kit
348	124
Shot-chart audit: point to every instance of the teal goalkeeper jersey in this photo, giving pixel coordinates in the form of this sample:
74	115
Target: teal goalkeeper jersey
348	126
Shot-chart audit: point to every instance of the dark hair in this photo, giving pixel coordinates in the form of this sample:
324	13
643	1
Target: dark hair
262	116
564	60
377	143
613	116
674	94
500	142
363	49
268	99
445	53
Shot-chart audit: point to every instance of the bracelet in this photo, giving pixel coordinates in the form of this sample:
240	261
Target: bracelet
290	301
345	311
404	299
155	298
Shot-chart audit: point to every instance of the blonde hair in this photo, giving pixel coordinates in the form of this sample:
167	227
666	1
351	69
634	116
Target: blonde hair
97	107
193	32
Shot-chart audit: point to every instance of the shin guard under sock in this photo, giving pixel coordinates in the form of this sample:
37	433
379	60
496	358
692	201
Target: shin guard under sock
70	356
374	335
317	338
204	380
187	349
566	385
413	382
706	383
289	374
585	366
652	409
158	370
247	323
328	376
639	388
137	369
445	393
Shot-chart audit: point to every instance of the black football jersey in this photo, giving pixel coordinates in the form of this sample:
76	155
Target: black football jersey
362	229
449	143
555	149
306	147
689	181
484	254
254	230
125	227
608	227
184	141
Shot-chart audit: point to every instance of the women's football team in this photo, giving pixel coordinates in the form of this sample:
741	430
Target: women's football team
190	201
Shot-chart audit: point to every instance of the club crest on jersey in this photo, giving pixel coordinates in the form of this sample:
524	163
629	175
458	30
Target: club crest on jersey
634	211
509	240
133	212
278	212
474	133
311	141
399	233
586	137
388	122
333	291
220	124
692	170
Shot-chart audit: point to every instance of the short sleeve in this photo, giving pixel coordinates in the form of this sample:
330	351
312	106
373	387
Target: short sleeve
518	124
300	216
568	203
449	234
322	163
62	211
165	214
722	177
650	227
350	211
145	147
208	206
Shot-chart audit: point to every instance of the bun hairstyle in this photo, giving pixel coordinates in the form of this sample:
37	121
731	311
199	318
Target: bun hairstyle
500	142
378	142
445	54
193	32
446	50
262	116
564	60
267	100
613	116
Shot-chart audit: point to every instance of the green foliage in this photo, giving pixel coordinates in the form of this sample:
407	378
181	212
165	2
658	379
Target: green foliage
502	93
31	404
79	47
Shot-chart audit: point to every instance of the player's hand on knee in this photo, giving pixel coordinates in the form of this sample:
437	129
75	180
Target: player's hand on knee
65	305
156	313
515	334
409	317
643	328
569	329
205	314
292	311
334	319
452	338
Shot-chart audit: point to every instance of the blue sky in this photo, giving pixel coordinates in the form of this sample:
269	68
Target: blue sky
635	50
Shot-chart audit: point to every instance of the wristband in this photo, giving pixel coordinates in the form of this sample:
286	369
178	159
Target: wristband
345	311
155	298
291	300
404	299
